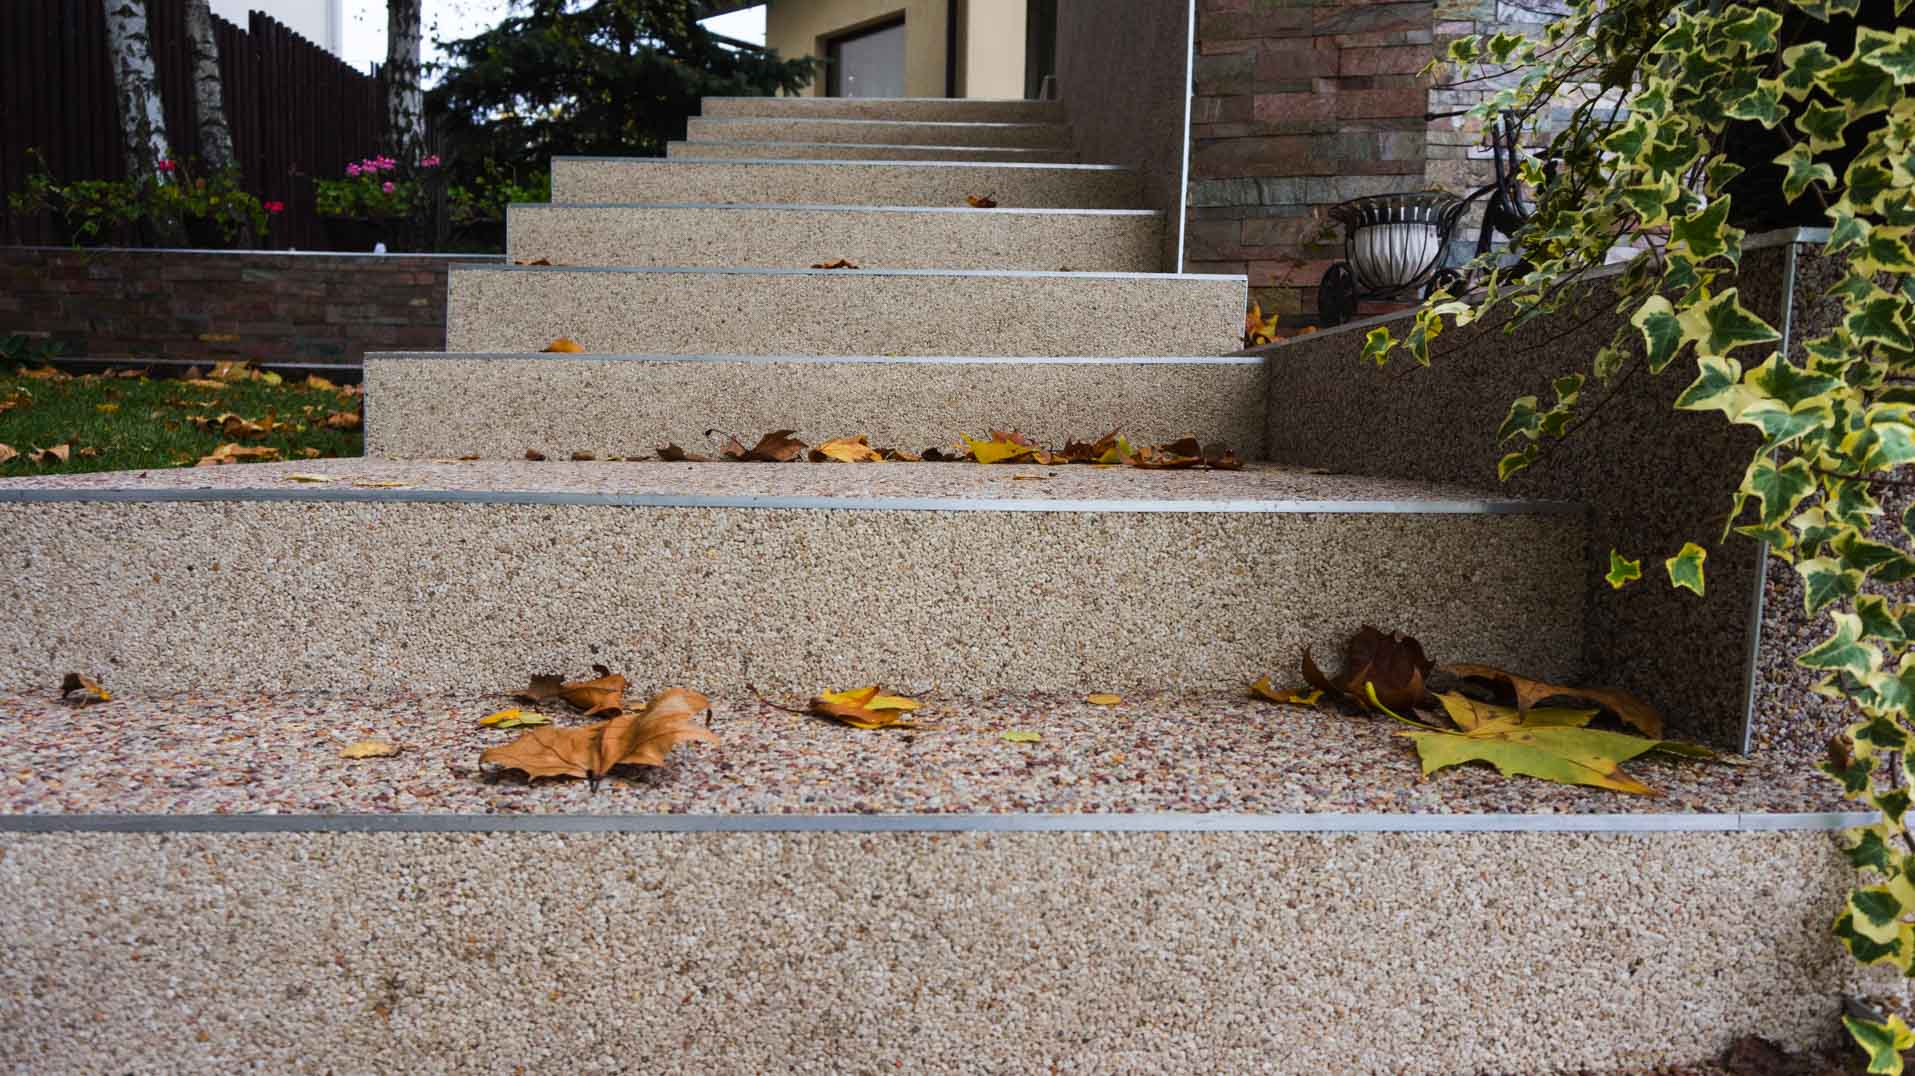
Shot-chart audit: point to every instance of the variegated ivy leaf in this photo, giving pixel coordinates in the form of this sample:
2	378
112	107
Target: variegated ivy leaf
1622	572
1825	582
1883	1042
1823	125
1377	344
1784	381
1662	333
1802	170
1843	651
1523	420
1515	461
1893	53
1878	911
1685	568
1707	234
1869	951
1779	488
1864	183
1868	848
1886	250
1722	324
1879	622
1803	65
1752	29
1861	89
1718	387
1880	319
1761	103
1868	556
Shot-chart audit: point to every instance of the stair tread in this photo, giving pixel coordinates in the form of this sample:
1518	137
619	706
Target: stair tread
814	162
1010	487
1207	754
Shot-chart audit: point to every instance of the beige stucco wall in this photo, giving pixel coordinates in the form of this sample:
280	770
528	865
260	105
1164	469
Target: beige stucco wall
798	27
991	48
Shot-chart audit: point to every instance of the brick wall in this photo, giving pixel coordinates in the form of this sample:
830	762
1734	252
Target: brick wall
212	304
1300	104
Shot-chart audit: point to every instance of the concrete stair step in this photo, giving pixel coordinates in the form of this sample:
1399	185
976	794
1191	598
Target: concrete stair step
628	405
775	182
855	151
875	237
882	132
302	943
916	109
424	577
841	312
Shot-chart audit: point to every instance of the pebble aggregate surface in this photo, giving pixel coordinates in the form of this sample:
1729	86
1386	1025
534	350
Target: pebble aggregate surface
1203	754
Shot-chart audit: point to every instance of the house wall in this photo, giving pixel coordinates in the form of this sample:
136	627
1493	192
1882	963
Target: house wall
226	304
801	28
321	22
991	48
1122	71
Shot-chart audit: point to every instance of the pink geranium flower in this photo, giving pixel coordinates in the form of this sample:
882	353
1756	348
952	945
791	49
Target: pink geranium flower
275	207
386	186
430	162
352	170
168	165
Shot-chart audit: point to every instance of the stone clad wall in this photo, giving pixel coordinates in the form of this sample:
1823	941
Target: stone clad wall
216	304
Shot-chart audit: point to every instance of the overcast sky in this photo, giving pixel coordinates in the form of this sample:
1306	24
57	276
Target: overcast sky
365	36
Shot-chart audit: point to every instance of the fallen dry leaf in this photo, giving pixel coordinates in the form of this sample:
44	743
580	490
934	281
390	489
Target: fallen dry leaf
531	261
314	381
1295	696
846	450
777	446
981	201
840	263
514	718
1551	744
382	484
1392	664
1177	455
203	383
45	373
1023	736
106	408
865	708
7	452
1102	699
1526	693
1257	330
564	345
607	692
89	689
644	738
309	453
344	420
314	479
236	453
56	454
1220	458
901	456
535	455
1005	446
583	457
368	749
675	454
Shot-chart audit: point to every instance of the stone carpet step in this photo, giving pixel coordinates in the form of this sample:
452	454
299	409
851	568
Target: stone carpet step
793	129
854	151
1217	754
841	312
628	405
779	182
435	576
875	237
918	109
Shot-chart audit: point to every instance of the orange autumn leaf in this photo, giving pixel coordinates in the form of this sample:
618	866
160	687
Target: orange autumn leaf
643	738
564	345
777	446
981	201
89	689
606	692
846	450
865	708
1258	330
674	454
837	263
233	452
1528	692
531	261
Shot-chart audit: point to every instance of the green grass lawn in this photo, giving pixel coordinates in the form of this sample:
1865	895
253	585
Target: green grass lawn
137	423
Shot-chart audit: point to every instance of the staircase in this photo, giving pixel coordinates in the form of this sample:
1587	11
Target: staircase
1190	881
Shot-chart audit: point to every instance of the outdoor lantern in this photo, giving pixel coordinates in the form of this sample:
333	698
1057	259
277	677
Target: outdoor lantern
1392	244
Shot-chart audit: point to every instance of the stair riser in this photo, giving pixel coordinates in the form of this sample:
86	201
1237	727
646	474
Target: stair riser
651	180
919	109
779	238
1232	952
851	151
760	129
393	594
841	313
627	407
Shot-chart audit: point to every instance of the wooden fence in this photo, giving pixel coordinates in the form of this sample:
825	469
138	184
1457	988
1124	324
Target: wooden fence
297	111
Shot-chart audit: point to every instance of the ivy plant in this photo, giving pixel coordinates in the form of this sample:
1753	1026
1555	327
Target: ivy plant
1664	100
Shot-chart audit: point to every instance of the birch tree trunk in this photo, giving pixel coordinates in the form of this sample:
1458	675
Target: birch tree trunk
405	101
142	118
215	135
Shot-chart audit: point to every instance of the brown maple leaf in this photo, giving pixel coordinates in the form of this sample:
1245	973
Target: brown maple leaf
1392	665
644	738
981	201
89	689
777	446
1527	692
846	450
836	263
605	693
675	454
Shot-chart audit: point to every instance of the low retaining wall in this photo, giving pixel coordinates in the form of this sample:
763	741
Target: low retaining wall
1720	667
193	304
